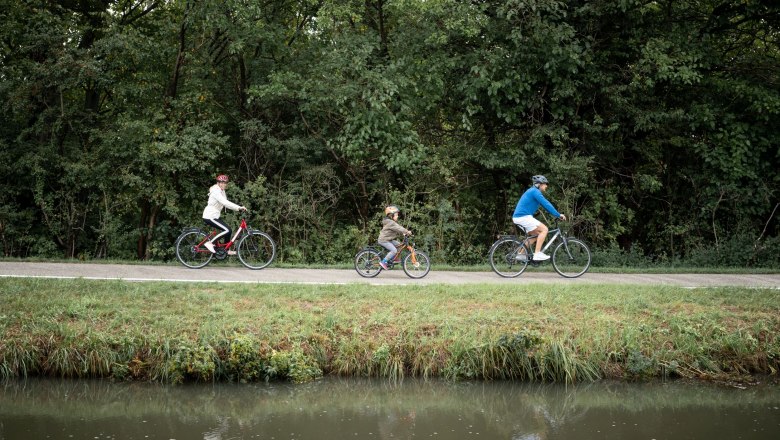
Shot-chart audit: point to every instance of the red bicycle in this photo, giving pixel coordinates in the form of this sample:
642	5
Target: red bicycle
254	248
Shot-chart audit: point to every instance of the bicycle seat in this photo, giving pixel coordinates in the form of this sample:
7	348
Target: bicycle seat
522	232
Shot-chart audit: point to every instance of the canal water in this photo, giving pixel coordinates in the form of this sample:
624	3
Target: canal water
375	409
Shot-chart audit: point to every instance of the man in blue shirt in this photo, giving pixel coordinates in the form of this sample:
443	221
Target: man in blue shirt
524	215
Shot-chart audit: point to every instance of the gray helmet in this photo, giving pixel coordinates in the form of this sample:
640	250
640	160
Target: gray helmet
539	179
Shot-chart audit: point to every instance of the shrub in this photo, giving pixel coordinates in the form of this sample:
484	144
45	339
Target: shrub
293	365
192	361
244	362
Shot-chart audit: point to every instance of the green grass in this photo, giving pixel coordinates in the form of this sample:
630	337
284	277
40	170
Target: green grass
174	332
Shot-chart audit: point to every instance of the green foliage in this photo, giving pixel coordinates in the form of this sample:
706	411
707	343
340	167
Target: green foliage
244	359
640	366
613	256
510	357
292	365
179	332
655	124
192	361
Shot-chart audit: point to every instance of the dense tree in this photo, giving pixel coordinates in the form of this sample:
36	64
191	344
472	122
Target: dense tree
655	121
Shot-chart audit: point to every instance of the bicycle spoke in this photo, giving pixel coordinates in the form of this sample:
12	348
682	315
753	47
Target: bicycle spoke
190	251
256	250
417	265
508	258
571	259
367	263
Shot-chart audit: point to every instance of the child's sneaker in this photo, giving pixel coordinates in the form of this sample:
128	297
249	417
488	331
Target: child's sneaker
383	264
210	246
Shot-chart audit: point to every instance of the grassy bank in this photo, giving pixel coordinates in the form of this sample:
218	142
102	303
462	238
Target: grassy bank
174	332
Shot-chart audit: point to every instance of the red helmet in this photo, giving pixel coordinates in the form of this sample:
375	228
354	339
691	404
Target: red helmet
222	178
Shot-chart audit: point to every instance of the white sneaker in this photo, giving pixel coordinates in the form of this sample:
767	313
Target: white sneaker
521	257
541	256
210	246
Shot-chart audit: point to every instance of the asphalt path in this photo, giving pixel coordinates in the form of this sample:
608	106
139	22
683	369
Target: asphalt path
271	275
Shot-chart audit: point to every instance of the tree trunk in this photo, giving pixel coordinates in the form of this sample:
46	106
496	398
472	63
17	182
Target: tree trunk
141	243
173	86
150	230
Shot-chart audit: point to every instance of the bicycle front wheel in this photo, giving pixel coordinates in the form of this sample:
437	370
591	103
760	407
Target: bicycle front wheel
571	258
190	250
367	263
507	258
417	264
256	250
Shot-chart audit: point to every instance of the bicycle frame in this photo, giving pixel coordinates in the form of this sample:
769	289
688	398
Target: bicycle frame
550	241
556	232
405	246
242	227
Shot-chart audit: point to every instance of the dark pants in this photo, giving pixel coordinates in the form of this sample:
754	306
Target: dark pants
223	230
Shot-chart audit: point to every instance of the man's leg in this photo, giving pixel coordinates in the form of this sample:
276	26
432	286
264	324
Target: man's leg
533	227
541	233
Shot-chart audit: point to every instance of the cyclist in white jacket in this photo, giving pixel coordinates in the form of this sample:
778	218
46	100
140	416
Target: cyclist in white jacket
217	202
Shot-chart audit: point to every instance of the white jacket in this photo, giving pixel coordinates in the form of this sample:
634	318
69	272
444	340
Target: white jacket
217	202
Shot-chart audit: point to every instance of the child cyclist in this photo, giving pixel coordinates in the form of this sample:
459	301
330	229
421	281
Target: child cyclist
390	230
217	202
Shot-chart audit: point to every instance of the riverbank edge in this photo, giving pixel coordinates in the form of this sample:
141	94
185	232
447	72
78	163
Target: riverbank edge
70	329
243	358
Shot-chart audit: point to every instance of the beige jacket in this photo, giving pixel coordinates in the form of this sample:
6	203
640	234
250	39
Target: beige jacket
390	230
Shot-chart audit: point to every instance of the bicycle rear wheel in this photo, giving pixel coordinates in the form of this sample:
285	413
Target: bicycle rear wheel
256	250
574	262
190	250
417	269
367	263
506	258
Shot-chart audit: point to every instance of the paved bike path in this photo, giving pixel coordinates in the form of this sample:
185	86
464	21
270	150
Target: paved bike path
236	274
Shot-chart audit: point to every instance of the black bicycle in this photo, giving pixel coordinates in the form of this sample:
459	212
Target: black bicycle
510	254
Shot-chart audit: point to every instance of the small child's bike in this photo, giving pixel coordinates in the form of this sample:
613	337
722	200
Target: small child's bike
254	248
416	264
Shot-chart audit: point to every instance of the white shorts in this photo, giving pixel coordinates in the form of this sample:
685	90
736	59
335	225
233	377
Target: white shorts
527	222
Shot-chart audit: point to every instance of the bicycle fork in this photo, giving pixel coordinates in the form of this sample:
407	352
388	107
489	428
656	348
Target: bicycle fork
414	258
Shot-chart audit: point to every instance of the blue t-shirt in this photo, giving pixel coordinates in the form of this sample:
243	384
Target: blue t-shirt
529	202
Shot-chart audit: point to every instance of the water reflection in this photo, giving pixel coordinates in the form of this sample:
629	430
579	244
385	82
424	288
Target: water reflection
338	409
